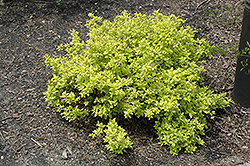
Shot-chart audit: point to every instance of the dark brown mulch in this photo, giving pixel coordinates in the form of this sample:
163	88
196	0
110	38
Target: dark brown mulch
31	133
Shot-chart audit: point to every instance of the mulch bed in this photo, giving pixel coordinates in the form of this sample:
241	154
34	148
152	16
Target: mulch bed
31	133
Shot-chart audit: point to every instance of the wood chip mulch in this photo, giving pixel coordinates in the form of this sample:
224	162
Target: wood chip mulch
31	133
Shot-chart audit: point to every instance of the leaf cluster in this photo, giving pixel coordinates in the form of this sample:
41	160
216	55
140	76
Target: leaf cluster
146	66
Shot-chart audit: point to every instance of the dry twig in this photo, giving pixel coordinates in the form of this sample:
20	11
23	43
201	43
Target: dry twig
36	142
203	2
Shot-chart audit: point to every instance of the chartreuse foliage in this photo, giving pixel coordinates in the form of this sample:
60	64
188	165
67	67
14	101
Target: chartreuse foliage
115	137
143	65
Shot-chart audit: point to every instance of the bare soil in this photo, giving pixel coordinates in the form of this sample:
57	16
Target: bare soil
31	133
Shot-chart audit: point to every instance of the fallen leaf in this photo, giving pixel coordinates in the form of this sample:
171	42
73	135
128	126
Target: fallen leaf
64	154
68	148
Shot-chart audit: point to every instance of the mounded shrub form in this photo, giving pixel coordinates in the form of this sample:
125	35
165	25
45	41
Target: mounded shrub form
148	66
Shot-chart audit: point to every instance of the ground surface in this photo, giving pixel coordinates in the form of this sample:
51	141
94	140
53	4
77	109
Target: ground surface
31	133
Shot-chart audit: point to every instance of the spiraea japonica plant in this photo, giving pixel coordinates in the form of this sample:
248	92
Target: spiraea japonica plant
148	66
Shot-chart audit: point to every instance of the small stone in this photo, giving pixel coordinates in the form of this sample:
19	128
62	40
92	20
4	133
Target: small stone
15	116
2	157
244	147
29	114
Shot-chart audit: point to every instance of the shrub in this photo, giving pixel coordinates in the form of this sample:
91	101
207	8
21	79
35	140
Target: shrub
146	66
